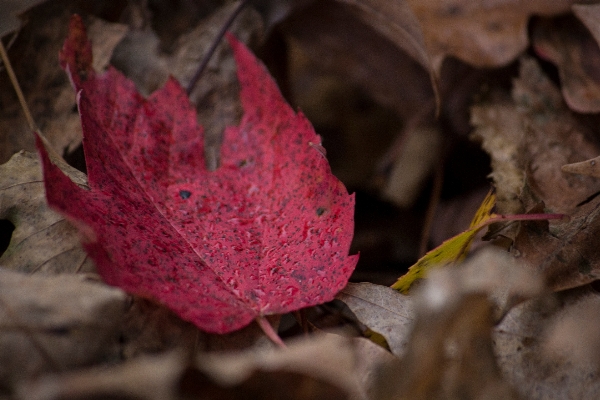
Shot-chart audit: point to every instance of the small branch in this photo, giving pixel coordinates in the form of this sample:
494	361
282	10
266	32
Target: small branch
214	45
15	83
270	332
434	201
525	217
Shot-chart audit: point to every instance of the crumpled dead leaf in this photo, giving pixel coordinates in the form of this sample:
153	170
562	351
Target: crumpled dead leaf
483	34
148	377
564	253
9	10
396	21
383	310
525	343
420	154
42	240
338	41
324	367
500	129
529	139
450	352
55	323
326	357
34	56
565	42
573	335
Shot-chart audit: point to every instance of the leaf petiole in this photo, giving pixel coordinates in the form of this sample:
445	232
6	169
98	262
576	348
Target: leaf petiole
270	332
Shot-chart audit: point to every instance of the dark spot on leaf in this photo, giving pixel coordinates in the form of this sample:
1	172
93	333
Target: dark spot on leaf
185	194
320	211
6	230
242	163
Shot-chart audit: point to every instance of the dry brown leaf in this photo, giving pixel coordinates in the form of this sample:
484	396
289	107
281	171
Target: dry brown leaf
396	21
42	240
533	136
148	377
483	34
383	310
421	153
566	254
568	44
554	137
47	90
450	353
588	167
589	14
371	361
9	11
338	41
253	375
54	323
327	357
500	129
524	342
573	335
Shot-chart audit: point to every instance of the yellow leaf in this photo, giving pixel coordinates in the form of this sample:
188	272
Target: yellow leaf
452	250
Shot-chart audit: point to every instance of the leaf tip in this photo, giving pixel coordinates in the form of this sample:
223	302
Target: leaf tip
75	57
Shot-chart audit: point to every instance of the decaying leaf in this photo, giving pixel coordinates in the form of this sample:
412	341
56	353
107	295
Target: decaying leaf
43	240
55	323
452	250
554	137
46	88
266	233
396	21
335	39
481	34
565	42
450	353
456	248
530	139
328	357
524	344
500	130
9	10
564	253
318	368
587	168
383	310
421	152
149	377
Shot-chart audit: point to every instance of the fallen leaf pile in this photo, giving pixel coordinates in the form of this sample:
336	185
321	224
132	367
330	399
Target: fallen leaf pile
163	240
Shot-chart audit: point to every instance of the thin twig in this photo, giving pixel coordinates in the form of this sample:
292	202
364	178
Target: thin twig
270	332
214	45
434	201
15	83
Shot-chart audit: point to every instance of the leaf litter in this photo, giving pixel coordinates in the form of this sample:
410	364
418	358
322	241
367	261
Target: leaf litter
488	328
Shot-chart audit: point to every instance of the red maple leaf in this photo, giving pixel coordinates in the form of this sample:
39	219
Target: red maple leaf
266	233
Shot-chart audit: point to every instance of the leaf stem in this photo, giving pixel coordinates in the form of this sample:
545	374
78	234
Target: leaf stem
17	87
524	217
214	45
270	332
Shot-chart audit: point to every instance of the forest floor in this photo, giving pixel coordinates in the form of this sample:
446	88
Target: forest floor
422	109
